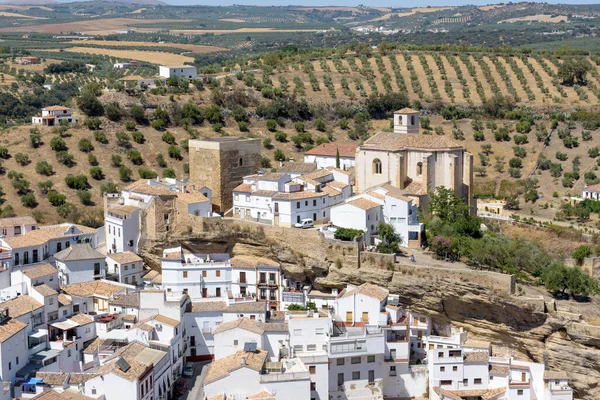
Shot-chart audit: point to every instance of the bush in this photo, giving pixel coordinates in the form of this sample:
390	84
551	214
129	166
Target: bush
137	136
22	159
267	143
281	136
113	111
279	155
100	136
169	173
58	144
108	188
243	126
122	139
135	157
561	156
64	210
85	145
92	160
125	173
514	173
515	163
186	168
320	125
520	139
158	124
116	160
90	105
160	160
347	234
299	127
93	124
265	162
78	182
174	152
271	125
137	113
28	200
65	158
35	138
55	198
168	137
96	173
44	168
85	197
45	186
147	173
130	125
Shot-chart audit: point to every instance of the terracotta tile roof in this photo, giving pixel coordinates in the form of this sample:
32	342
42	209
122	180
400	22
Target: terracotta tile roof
43	235
94	346
16	221
79	252
21	305
318	174
247	307
480	344
244	188
271	176
264	395
341	171
310	181
389	141
82	319
476	356
150	275
10	328
415	188
52	378
65	395
166	320
297	167
127	300
137	369
330	150
219	369
209	306
519	367
368	289
331	192
95	288
192	198
142	187
336	184
77	378
56	108
375	194
554	375
298	195
484	394
499	369
396	193
319	293
268	193
124	257
406	110
220	396
251	325
38	271
122	210
157	279
45	290
64	300
129	317
364	204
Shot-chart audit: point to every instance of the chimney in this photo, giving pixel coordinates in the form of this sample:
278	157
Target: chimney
243	361
334	292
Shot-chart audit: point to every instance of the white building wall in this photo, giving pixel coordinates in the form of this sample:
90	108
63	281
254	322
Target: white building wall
122	234
79	271
228	342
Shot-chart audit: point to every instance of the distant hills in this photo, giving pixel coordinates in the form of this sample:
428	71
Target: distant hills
51	2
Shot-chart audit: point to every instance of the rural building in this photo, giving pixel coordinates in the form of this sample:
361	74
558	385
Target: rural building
29	60
53	116
326	154
121	65
139	82
221	165
591	192
181	71
80	263
413	162
125	31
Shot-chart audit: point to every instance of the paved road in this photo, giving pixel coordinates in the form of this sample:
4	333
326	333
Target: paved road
196	381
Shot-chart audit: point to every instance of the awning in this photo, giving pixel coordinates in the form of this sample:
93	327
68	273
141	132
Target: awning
45	355
38	334
33	381
27	369
65	325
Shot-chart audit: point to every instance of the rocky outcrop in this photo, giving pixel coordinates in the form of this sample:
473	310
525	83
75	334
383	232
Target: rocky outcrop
513	325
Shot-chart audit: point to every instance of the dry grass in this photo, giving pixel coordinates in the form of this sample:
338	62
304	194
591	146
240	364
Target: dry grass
490	7
236	20
538	18
98	26
15	15
412	12
23	8
138	11
34	67
155	57
544	237
194	48
241	30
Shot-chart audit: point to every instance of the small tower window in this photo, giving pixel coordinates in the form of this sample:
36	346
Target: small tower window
241	162
377	166
412	119
420	168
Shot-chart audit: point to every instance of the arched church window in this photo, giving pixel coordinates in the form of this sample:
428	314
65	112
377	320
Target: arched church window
377	166
420	168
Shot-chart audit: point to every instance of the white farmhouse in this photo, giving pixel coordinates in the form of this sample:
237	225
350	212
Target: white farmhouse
180	71
80	263
53	116
327	155
591	192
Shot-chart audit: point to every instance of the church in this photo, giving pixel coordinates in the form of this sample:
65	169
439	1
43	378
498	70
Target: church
414	162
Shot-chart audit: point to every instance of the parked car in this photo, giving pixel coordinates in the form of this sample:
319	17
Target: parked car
181	386
188	371
305	223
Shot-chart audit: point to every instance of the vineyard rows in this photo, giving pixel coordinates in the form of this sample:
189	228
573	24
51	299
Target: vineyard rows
450	78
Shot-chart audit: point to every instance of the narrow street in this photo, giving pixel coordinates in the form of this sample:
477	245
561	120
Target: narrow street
196	381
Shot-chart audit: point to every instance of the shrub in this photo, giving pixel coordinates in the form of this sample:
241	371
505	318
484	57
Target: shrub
35	138
281	136
174	152
137	113
130	125
594	152
65	158
169	173
135	157
113	111
45	186
158	124
520	139
267	143
109	188
44	168
279	155
58	144
186	168
347	234
265	162
64	210
125	173
243	126
90	105
299	127
85	197
22	158
28	200
137	136
520	152
514	172
85	145
122	139
93	124
92	160
78	182
168	137
561	156
147	173
320	125
96	173
271	125
115	160
100	136
160	160
515	163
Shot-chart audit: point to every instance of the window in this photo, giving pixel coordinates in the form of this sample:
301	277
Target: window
297	204
235	342
306	203
340	361
218	292
377	166
126	268
445	383
185	274
312	369
442	369
218	273
365	317
18	357
520	392
93	390
355	360
314	203
465	382
455	368
393	370
477	381
236	197
51	301
64	313
247	197
311	347
204	274
9	366
412	119
297	332
313	386
370	359
355	375
320	331
241	162
419	168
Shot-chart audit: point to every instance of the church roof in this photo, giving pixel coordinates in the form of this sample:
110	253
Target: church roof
406	110
391	141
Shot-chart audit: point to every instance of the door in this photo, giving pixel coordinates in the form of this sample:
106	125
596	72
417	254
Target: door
340	379
242	277
523	377
371	376
204	292
218	293
393	354
349	316
365	317
193	341
314	216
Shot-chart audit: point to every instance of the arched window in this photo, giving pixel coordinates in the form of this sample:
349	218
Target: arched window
241	163
419	168
377	166
412	119
400	119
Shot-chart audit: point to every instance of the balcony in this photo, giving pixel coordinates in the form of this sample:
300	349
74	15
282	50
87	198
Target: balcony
351	347
263	282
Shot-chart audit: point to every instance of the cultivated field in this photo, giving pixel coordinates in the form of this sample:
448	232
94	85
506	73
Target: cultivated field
95	26
412	12
537	18
15	15
241	30
156	57
194	48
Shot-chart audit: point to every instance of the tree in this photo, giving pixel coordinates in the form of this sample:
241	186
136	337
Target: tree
125	174
279	155
45	186
35	138
320	125
135	157
138	114
100	136
390	240
90	105
28	200
138	137
168	137
337	158
110	187
78	182
85	145
271	125
581	253
169	173
58	144
65	158
147	173
96	173
44	168
515	163
486	149
267	143
55	198
174	152
85	197
22	159
573	70
281	136
93	124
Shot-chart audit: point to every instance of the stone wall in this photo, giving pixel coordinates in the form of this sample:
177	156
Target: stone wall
590	264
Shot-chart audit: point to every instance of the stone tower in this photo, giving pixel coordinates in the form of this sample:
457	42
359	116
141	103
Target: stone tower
406	121
221	163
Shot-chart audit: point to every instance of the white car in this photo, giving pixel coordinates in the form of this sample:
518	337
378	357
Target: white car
305	224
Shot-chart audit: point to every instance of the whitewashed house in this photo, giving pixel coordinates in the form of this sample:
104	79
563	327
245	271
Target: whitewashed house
180	71
80	263
257	277
54	116
126	267
358	213
591	192
327	155
122	226
17	226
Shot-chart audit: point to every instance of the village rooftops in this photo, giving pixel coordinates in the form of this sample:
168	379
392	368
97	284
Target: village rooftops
499	369
297	167
37	271
127	300
364	204
99	288
390	141
122	211
69	394
243	188
138	358
79	252
45	290
21	305
219	369
476	356
298	195
63	300
73	322
124	257
332	149
592	188
153	276
555	375
10	327
269	176
483	394
143	186
56	108
192	198
16	221
166	320
367	289
406	110
251	325
221	306
42	235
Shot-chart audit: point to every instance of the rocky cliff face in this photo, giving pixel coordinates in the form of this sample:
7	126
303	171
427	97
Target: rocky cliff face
512	325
